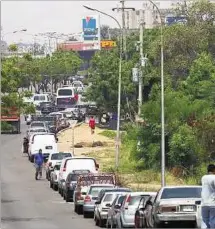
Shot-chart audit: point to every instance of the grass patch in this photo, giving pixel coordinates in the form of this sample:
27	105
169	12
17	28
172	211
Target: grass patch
108	133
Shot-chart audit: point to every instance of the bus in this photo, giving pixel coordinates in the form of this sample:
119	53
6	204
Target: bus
67	97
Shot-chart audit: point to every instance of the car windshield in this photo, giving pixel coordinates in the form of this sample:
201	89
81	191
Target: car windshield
60	156
57	167
134	201
39	98
37	130
37	124
94	190
65	92
188	192
45	104
108	198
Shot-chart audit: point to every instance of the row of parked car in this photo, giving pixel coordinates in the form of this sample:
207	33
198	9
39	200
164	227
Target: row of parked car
98	195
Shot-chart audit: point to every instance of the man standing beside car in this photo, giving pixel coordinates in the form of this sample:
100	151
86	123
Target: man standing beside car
38	161
208	198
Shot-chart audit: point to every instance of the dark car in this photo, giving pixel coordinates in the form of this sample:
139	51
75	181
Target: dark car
46	107
143	215
70	184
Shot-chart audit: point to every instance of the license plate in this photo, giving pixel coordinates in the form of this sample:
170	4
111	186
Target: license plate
188	208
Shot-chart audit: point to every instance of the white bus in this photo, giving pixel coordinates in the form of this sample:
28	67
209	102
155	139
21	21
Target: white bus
67	97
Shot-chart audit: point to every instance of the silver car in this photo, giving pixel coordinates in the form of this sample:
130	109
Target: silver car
104	203
114	209
92	196
176	204
125	217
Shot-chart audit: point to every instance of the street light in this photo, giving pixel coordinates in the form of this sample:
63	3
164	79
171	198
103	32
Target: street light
16	31
119	83
163	181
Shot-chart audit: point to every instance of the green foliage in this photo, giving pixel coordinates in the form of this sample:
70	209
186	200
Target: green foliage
109	134
185	151
6	127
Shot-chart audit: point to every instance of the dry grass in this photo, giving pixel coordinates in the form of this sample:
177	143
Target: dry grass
147	180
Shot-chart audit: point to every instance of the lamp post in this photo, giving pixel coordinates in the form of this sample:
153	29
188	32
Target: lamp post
49	35
119	84
163	181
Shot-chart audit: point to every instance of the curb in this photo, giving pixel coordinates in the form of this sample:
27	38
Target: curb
61	131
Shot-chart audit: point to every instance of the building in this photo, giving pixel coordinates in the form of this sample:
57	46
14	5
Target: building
149	15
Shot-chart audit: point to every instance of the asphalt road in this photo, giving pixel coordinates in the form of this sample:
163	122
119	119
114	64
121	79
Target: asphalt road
30	204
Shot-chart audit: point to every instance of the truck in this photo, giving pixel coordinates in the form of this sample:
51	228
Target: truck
10	120
84	182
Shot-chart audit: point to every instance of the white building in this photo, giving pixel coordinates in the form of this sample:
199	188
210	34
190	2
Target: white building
149	15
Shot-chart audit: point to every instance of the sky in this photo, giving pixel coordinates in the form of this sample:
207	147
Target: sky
53	16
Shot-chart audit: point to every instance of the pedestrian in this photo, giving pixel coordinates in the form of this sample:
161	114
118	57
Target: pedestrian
92	124
38	162
208	198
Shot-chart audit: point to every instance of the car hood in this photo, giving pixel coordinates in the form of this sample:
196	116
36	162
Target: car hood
179	201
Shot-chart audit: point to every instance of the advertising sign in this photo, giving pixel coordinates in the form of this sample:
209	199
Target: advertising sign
108	44
135	75
91	28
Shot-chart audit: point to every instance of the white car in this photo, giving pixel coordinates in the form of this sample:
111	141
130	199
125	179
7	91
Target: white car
75	163
46	142
54	176
53	159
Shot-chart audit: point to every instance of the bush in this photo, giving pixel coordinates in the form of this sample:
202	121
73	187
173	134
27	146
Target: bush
185	152
6	127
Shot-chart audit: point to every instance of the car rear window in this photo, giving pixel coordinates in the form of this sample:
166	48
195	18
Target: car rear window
170	193
134	201
94	191
120	200
108	198
60	156
37	125
57	167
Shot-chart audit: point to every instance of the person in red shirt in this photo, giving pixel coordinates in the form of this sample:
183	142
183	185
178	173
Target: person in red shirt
92	124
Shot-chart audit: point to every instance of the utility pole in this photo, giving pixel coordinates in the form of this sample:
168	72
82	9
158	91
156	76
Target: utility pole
142	64
123	8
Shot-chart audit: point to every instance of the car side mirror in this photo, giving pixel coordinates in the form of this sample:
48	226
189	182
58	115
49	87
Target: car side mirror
117	206
198	202
97	202
149	202
108	205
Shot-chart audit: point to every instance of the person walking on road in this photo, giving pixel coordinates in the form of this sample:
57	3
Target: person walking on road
208	198
92	124
38	162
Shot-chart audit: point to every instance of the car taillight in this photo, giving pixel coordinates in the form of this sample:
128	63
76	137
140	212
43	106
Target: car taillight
162	209
64	169
127	201
87	199
50	163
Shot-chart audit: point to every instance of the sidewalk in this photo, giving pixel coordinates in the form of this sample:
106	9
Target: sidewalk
82	134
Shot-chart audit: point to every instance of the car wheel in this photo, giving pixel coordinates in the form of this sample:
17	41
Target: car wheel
158	225
55	187
50	184
64	195
78	209
96	221
85	214
67	197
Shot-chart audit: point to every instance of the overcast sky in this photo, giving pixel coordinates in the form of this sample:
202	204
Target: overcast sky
48	16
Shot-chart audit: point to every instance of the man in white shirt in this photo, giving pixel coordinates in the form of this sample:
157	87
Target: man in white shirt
208	198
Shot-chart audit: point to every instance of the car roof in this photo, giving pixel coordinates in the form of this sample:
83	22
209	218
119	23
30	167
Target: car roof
142	193
101	185
182	186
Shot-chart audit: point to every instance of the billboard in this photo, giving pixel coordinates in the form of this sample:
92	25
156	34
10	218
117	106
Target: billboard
171	20
91	28
106	44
